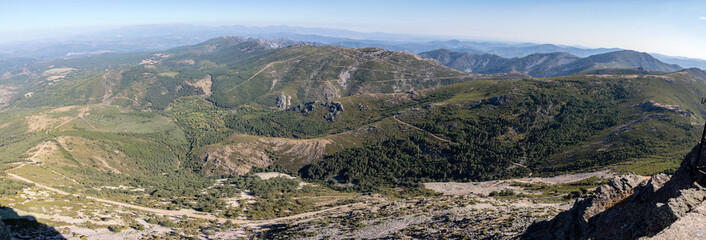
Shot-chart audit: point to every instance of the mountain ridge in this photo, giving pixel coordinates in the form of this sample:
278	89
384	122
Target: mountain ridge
161	37
547	64
195	127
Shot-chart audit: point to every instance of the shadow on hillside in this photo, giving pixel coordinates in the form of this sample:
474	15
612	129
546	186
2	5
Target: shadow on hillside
25	227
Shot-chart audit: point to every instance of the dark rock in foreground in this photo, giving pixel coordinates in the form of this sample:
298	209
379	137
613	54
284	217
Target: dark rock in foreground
629	207
4	234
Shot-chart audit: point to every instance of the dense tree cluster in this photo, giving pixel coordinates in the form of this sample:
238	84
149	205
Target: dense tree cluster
399	162
535	124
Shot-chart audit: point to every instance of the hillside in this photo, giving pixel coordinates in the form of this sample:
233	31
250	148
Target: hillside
273	96
232	71
547	64
543	125
199	130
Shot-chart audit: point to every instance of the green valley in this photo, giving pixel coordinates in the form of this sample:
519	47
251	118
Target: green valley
239	131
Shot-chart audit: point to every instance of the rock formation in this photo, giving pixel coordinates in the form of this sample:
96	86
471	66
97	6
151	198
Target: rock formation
283	101
629	207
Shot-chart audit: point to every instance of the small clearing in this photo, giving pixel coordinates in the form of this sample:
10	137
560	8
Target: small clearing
204	83
186	62
55	74
268	175
42	151
57	71
6	94
42	121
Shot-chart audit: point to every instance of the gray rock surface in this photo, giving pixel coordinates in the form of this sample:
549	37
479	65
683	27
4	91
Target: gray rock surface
283	101
629	207
690	226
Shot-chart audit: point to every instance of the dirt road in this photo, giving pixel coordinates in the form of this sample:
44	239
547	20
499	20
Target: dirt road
181	213
415	127
265	68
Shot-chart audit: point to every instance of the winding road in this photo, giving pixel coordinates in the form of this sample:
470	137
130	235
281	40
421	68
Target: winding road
265	68
180	213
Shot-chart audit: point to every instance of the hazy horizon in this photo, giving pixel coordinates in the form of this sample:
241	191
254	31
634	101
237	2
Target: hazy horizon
675	28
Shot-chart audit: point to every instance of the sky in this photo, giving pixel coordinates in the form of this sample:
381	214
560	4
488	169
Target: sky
676	28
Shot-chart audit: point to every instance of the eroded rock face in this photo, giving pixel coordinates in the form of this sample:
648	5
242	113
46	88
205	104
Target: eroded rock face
629	207
245	153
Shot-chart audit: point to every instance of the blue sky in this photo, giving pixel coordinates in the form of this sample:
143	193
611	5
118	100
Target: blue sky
669	27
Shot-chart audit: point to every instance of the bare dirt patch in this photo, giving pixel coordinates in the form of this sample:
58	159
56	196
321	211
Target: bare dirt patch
485	188
186	62
55	74
248	152
62	109
204	83
57	71
42	121
6	94
463	188
42	151
567	178
268	175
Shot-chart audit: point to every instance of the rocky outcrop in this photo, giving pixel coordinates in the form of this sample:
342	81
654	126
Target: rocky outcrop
690	226
283	101
334	108
629	207
331	109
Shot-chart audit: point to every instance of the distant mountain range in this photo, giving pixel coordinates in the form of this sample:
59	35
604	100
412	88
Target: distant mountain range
162	37
547	64
508	50
682	61
231	71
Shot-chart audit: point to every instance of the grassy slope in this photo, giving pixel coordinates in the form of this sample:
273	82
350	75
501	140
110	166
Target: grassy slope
567	124
97	145
434	111
243	72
